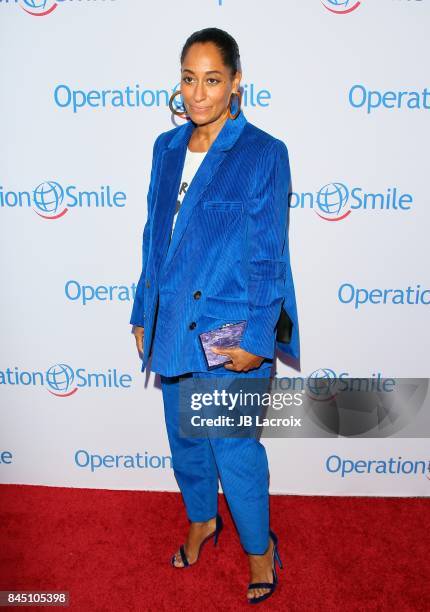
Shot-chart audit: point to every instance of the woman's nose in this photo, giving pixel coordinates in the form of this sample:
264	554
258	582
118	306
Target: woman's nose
199	92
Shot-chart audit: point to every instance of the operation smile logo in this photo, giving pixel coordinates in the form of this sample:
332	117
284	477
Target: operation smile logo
139	96
62	380
324	384
41	8
340	7
334	464
335	202
50	200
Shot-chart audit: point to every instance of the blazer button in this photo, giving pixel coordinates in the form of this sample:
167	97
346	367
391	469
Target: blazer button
147	283
197	295
192	325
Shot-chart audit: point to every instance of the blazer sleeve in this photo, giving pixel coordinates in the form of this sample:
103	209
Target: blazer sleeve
266	241
137	313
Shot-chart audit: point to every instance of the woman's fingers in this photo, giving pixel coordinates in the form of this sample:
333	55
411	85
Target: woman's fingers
139	332
139	342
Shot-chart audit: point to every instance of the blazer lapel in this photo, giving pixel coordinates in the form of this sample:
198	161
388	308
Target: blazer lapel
172	164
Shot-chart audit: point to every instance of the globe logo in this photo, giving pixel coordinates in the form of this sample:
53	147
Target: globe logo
48	198
341	6
340	2
332	200
60	378
38	8
321	384
37	4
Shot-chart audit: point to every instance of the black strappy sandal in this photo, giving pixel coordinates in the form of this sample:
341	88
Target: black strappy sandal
218	528
267	585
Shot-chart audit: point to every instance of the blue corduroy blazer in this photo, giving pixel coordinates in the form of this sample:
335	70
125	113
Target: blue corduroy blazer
228	259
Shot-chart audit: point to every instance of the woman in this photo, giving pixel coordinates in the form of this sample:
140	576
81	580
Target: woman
215	251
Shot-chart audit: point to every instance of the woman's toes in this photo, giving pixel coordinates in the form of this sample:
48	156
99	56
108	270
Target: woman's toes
178	559
256	593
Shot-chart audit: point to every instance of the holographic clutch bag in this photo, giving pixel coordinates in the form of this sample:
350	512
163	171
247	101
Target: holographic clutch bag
226	336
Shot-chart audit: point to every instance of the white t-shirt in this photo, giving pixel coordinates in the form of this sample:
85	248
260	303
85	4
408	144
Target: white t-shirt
192	161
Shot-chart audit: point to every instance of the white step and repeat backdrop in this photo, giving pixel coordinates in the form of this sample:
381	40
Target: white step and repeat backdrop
84	92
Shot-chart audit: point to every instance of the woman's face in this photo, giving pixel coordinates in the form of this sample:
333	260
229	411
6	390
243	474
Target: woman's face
206	84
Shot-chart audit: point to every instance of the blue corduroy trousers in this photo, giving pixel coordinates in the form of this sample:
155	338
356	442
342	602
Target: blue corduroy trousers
240	464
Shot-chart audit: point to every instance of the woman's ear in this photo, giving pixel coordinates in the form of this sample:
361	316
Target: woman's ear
236	81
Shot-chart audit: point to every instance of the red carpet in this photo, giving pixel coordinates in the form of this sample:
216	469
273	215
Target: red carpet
111	550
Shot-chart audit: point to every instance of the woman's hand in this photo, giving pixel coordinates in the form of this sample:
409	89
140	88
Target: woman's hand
138	332
242	360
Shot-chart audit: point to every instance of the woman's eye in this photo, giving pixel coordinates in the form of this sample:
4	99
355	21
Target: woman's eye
188	79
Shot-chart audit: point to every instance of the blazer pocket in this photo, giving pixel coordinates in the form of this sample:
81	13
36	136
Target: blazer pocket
225	308
223	206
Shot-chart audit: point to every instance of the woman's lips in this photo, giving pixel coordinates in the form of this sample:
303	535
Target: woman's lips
199	110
